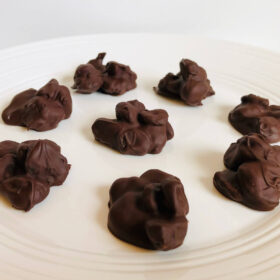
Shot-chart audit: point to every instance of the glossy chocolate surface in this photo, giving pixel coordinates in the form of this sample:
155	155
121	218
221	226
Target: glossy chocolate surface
29	169
253	175
149	211
190	85
113	78
135	131
39	110
255	115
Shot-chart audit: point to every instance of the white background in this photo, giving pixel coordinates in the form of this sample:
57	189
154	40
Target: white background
254	22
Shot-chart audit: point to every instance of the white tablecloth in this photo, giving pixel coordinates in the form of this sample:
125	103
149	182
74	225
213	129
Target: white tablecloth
254	22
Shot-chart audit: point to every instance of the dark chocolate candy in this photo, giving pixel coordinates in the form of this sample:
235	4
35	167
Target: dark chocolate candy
43	161
255	115
98	62
24	191
39	110
136	131
190	85
149	211
29	169
8	160
113	78
87	79
253	175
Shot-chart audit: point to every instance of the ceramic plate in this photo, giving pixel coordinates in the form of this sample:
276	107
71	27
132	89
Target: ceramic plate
66	237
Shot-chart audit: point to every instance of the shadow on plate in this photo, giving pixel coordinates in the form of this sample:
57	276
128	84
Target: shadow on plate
68	81
87	133
222	113
210	162
4	201
103	195
173	101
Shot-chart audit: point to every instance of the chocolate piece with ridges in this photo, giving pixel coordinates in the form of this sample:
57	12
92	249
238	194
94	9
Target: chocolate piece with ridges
149	211
43	161
29	169
39	110
113	78
253	175
190	85
24	192
136	131
255	115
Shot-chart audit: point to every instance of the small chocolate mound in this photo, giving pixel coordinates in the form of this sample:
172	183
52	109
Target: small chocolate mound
29	169
189	85
113	78
39	110
149	211
136	131
253	178
254	115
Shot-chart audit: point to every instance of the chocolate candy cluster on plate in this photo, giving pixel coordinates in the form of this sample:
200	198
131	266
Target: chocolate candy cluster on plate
29	169
136	130
39	110
190	85
149	211
113	78
253	175
255	115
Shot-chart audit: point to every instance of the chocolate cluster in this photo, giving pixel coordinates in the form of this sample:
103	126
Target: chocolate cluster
135	131
29	169
190	85
149	211
113	78
253	175
255	115
39	110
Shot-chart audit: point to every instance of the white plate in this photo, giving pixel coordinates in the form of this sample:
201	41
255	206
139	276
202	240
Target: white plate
65	236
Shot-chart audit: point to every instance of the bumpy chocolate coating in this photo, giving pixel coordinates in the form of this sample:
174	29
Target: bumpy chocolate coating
149	211
255	115
29	169
24	192
253	178
190	85
136	131
39	110
43	161
113	78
